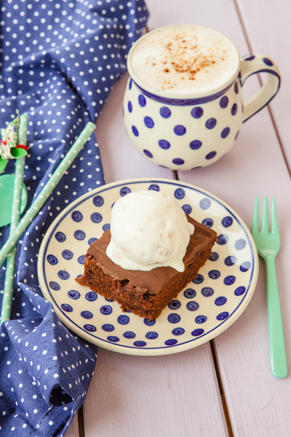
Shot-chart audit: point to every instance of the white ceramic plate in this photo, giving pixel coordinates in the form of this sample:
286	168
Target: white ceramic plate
204	309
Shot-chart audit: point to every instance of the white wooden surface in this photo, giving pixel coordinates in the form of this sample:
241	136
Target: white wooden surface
150	395
73	430
154	396
178	395
272	36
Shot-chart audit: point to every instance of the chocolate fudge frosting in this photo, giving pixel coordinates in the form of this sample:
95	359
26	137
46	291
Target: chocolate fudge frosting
152	280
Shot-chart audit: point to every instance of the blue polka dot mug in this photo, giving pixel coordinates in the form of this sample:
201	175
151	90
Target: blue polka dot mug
185	133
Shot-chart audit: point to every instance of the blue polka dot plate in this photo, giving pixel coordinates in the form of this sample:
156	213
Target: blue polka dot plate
209	304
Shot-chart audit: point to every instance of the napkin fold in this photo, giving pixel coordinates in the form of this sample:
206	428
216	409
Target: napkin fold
59	61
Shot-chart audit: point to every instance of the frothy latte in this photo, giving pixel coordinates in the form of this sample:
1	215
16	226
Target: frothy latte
183	60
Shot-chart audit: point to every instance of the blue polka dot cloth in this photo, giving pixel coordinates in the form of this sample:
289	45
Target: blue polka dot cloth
58	62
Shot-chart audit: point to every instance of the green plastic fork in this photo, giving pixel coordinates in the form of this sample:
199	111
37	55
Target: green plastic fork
268	245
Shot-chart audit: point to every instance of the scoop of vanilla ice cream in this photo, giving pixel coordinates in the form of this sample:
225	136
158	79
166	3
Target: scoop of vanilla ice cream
148	230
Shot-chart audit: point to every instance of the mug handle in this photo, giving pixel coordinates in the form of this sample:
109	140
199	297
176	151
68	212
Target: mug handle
253	64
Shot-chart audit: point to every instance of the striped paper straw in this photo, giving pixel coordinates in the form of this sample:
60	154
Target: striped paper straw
47	190
15	216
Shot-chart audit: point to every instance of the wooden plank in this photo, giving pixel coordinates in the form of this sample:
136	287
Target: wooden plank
136	396
272	37
73	430
257	402
165	396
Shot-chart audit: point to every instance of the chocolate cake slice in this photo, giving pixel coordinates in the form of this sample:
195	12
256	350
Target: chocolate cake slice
145	293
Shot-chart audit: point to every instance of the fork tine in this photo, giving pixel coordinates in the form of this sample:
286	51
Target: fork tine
274	225
255	222
265	218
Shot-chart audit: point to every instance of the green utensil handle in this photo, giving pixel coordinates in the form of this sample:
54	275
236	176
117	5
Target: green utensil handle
276	333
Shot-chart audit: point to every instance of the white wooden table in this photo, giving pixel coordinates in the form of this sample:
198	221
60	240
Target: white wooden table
225	387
